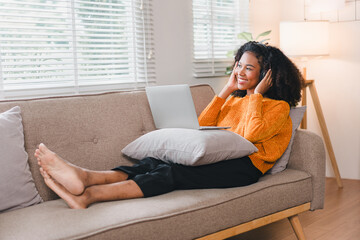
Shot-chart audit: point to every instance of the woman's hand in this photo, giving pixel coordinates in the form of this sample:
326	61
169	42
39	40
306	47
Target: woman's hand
231	85
264	84
232	82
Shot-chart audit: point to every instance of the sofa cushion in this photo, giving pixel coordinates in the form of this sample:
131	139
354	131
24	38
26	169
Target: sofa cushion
169	214
189	146
17	186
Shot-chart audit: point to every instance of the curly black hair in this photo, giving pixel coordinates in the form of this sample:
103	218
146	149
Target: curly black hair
287	79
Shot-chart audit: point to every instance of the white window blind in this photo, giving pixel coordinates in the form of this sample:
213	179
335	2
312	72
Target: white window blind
74	46
216	24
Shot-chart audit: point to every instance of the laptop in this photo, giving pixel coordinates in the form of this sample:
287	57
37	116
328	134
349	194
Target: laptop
172	106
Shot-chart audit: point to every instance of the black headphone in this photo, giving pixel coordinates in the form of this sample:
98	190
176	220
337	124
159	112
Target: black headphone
266	64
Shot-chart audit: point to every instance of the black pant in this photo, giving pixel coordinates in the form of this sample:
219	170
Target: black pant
155	177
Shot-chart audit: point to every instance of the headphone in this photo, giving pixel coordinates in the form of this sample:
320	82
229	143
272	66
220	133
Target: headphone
264	70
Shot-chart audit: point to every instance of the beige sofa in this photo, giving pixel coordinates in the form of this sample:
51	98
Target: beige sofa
91	130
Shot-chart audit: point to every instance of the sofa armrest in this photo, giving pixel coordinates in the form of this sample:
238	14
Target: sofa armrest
308	154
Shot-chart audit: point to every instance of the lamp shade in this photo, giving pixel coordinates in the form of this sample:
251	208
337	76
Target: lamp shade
304	38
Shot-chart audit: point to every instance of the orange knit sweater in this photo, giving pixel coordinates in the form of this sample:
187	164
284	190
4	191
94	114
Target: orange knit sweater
264	122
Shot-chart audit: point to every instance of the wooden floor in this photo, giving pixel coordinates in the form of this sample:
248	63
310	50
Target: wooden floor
339	220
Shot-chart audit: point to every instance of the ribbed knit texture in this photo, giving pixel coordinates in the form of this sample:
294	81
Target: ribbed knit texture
264	122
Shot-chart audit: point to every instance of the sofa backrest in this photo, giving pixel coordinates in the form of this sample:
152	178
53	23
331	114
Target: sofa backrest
89	130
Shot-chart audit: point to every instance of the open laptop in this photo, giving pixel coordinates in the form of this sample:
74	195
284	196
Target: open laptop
172	106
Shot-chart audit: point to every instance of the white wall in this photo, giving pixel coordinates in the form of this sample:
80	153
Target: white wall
338	85
337	77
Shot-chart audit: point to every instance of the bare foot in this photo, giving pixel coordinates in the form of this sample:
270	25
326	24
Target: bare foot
73	201
63	172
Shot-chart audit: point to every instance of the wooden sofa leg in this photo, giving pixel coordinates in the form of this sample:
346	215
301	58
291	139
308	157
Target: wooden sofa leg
296	225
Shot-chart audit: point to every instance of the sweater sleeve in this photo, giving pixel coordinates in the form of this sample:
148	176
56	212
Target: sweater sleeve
260	126
210	114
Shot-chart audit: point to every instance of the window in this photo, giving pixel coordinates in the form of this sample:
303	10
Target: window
50	47
216	24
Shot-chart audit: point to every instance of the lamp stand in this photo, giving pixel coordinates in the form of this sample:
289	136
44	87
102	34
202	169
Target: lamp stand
320	115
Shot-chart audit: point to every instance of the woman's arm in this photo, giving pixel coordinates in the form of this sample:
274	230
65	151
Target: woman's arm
262	124
209	115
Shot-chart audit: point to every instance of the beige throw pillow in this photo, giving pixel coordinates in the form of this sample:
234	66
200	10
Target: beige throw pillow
17	186
296	115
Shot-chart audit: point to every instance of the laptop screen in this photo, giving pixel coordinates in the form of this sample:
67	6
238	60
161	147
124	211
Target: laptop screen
172	106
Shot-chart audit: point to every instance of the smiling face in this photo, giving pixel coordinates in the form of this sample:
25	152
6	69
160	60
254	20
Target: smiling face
248	72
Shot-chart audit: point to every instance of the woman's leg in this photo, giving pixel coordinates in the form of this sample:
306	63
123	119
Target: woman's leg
96	193
73	178
225	174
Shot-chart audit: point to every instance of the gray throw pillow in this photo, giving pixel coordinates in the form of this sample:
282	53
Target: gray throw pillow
189	147
17	186
296	115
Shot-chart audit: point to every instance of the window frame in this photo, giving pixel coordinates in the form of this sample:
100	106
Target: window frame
141	67
214	64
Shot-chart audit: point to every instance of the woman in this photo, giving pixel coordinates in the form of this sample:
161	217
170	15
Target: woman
258	109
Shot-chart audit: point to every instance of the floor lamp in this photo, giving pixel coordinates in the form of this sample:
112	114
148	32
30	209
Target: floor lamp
308	39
